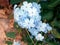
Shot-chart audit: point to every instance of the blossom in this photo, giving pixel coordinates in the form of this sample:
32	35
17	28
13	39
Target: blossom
16	15
33	31
15	6
28	16
44	27
48	27
26	6
29	23
16	43
32	11
39	37
37	6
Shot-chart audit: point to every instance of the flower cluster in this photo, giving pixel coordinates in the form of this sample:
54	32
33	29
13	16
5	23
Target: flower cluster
28	16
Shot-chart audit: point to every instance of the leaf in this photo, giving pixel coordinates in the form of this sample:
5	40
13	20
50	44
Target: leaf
18	1
9	42
44	5
32	0
56	23
27	39
54	3
15	1
52	43
47	16
56	33
17	27
10	34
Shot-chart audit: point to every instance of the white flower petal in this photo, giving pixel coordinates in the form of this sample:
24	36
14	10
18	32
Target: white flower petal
39	37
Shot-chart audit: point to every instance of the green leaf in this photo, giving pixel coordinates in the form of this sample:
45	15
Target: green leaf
17	27
15	1
18	1
47	16
56	33
44	5
56	23
27	39
32	0
54	3
10	34
52	43
9	42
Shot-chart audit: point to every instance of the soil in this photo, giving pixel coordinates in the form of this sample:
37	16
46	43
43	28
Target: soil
7	25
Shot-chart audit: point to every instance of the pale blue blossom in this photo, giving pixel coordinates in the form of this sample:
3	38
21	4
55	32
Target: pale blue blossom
44	27
33	31
15	6
28	16
29	23
26	6
25	3
49	28
39	37
32	12
37	6
16	43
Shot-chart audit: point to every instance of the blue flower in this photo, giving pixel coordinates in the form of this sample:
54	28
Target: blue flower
39	37
28	16
49	28
37	6
16	43
33	31
26	6
16	15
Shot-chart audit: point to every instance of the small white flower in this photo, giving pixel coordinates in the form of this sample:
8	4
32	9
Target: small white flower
16	43
26	6
42	27
37	6
16	14
25	3
39	37
15	6
49	28
32	12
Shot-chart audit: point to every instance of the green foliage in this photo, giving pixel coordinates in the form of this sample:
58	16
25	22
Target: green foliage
56	23
9	42
32	0
15	1
26	38
47	15
52	43
50	11
17	27
55	33
53	3
44	5
18	1
10	34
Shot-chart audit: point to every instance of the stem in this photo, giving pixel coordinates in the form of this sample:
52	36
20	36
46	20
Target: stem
30	37
36	43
